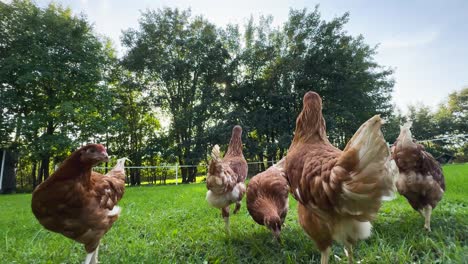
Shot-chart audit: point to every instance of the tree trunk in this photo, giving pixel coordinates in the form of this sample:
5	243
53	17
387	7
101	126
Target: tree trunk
138	177
33	174
132	177
184	174
44	170
8	182
106	165
192	174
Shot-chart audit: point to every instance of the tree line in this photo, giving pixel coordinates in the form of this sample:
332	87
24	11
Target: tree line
183	83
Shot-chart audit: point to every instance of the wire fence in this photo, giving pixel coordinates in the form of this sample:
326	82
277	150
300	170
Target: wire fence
171	173
462	136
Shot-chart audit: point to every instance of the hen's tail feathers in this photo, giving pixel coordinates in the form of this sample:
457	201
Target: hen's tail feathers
216	180
405	136
373	173
119	169
121	164
215	163
215	153
407	125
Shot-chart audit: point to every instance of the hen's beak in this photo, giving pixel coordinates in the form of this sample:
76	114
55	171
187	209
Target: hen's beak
105	156
276	234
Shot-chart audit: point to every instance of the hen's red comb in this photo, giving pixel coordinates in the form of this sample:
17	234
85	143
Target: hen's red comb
100	147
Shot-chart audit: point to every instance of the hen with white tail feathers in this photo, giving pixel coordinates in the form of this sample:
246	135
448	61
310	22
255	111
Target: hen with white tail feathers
339	192
226	176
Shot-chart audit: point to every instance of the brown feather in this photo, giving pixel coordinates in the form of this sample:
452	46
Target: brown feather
421	179
75	202
339	192
226	176
267	198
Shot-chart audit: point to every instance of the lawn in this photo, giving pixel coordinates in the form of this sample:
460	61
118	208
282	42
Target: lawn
173	224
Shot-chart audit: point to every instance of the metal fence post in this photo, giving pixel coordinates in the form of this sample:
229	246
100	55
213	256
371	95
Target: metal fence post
2	169
176	173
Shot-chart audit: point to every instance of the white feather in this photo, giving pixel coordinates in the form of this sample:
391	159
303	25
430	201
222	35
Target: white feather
350	228
115	211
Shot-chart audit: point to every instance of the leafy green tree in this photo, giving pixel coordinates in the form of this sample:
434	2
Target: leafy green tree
452	121
183	59
51	79
391	128
342	69
444	130
133	123
423	126
276	66
453	115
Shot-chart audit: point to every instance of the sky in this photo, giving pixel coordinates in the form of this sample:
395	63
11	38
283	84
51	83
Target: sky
425	42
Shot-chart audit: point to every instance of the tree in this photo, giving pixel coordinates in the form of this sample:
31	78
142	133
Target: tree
51	79
453	115
451	119
133	123
342	69
182	58
275	67
391	127
423	126
443	131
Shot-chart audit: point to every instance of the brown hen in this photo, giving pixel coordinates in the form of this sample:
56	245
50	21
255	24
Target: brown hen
79	203
339	192
267	198
225	179
421	180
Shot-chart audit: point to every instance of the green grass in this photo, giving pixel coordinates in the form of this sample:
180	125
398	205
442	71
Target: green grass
174	224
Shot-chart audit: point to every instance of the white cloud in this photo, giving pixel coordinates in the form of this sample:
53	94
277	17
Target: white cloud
410	41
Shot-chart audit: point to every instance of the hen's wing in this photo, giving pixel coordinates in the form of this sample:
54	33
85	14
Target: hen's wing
239	166
101	209
308	169
430	166
110	187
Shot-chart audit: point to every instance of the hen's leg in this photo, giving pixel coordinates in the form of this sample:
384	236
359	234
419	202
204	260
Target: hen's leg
91	258
238	206
225	213
348	249
426	212
96	254
325	256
